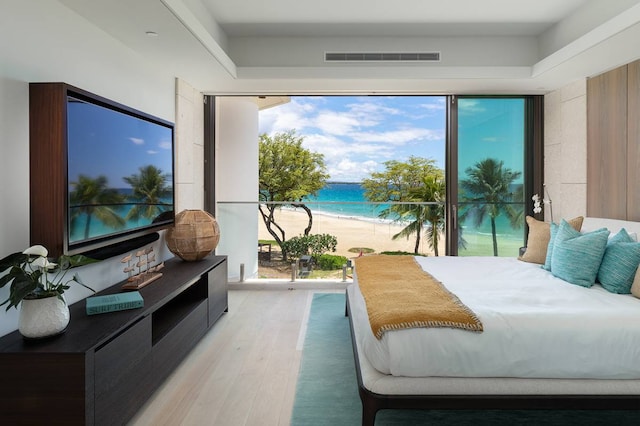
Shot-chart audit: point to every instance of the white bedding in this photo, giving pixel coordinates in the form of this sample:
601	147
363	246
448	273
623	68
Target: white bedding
535	326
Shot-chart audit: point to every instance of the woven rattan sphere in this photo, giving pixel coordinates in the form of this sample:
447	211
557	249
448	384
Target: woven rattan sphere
194	235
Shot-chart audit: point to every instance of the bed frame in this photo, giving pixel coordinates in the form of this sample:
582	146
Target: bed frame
373	402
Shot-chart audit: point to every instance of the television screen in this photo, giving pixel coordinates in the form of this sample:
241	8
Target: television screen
120	174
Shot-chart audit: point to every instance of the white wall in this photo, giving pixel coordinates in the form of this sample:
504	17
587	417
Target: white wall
565	150
237	181
594	13
14	179
42	40
189	135
14	165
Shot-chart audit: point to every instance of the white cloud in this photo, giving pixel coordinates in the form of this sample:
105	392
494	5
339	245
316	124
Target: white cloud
348	161
137	141
470	106
348	170
293	115
399	137
438	104
280	122
152	152
371	113
357	138
335	123
164	145
334	147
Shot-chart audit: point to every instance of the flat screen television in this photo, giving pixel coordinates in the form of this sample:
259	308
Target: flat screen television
120	174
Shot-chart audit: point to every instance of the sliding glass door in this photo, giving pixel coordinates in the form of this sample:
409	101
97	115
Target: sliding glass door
489	178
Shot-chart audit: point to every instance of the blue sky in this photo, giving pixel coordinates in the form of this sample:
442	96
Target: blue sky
491	127
109	143
357	134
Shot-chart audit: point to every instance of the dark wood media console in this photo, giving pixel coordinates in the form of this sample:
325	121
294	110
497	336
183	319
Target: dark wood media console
104	367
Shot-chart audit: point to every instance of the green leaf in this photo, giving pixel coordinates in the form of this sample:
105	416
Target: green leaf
5	279
26	283
16	272
20	288
15	259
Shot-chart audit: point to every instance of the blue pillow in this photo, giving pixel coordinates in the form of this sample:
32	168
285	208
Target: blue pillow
552	230
619	264
621	237
576	257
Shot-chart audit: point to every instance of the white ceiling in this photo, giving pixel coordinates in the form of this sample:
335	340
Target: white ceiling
277	46
393	18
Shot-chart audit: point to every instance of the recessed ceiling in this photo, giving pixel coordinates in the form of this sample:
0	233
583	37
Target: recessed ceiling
384	17
278	46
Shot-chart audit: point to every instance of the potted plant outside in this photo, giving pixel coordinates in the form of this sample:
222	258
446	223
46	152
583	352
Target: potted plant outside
39	285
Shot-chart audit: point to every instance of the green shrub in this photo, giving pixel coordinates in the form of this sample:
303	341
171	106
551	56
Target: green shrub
295	247
314	244
322	243
330	262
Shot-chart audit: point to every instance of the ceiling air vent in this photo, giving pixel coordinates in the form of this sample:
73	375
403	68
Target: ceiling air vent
382	56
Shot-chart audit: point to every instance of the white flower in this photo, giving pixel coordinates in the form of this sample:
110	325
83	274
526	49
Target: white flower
42	262
36	250
536	203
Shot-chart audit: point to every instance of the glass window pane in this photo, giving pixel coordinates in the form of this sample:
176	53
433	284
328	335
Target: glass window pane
491	141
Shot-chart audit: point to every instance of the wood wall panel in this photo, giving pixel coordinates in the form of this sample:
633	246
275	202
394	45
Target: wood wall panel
607	145
633	141
47	165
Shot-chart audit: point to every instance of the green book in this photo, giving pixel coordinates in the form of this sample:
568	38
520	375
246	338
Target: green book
114	302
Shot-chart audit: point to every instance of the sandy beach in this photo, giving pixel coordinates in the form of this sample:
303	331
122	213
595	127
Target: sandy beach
375	235
349	232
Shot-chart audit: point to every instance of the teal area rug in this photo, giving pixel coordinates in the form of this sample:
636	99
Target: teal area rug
327	390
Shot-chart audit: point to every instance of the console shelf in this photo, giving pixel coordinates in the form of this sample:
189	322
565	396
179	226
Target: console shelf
104	367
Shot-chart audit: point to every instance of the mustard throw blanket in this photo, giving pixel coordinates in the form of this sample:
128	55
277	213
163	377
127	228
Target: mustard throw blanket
400	294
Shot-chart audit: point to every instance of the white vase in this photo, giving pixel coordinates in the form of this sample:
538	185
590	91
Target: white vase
43	317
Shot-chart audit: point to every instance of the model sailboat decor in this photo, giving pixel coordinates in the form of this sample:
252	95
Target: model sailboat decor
141	269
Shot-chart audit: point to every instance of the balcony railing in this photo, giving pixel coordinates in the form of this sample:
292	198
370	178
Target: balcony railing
360	228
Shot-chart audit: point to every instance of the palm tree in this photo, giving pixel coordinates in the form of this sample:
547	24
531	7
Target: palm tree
489	189
149	189
413	212
91	198
399	183
432	190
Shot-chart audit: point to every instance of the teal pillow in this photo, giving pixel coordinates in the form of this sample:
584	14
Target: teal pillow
553	230
621	237
576	257
619	263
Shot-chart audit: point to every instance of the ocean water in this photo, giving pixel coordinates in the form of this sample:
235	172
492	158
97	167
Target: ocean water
344	200
347	200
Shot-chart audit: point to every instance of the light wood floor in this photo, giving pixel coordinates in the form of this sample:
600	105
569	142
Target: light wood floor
243	372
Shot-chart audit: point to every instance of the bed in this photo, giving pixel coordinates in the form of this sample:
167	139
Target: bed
567	365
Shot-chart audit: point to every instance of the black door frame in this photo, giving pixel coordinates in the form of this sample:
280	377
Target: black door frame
533	160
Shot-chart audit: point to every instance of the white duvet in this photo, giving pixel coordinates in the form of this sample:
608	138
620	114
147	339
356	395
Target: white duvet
535	326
